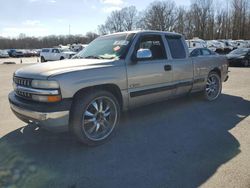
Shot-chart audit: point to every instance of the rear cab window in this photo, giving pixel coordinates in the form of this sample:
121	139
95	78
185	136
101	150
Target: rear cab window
176	46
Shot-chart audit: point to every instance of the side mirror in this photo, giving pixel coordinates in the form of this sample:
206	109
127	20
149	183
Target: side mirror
144	54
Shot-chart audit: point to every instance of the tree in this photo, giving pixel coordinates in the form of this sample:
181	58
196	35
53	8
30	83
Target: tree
120	20
160	15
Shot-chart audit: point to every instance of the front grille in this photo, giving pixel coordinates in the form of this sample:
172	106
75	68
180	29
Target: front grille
22	81
23	94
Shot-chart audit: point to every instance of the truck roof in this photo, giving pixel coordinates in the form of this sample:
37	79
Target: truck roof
146	31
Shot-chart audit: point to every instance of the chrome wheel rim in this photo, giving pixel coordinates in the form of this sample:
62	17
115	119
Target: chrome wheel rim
213	87
99	118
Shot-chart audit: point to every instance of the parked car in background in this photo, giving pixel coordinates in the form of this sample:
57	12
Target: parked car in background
116	72
242	44
78	47
197	52
248	43
228	46
29	53
216	46
15	53
196	43
239	57
55	54
233	43
4	54
37	52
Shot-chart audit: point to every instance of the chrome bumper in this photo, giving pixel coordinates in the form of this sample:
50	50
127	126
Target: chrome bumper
50	120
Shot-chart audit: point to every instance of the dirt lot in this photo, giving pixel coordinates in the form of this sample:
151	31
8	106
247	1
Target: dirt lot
25	60
185	142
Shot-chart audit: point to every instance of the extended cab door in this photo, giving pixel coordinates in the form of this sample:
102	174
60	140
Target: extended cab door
55	55
149	79
182	65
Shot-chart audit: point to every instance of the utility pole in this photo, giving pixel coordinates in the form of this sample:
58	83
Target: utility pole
69	29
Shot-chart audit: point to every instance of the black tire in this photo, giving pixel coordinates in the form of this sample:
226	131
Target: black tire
82	105
42	59
245	63
212	90
62	58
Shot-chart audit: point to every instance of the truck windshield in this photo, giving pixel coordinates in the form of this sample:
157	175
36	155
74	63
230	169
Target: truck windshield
106	47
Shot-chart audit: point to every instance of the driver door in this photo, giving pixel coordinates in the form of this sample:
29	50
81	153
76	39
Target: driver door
55	55
149	79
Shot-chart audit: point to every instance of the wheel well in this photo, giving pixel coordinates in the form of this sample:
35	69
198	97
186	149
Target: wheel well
217	70
112	88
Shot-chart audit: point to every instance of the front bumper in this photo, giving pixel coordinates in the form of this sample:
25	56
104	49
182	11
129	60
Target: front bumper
49	116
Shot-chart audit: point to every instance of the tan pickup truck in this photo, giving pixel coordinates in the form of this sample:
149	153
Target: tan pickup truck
117	72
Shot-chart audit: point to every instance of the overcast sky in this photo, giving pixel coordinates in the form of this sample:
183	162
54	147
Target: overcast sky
46	17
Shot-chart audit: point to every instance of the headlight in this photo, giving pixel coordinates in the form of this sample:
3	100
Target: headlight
241	57
51	98
45	84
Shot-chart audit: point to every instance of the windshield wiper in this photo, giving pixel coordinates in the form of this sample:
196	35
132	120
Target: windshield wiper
93	57
77	57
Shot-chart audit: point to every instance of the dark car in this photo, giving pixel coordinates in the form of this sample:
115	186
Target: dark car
239	57
195	52
15	53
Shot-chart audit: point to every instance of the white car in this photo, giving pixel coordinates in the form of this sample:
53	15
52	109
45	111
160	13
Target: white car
242	44
196	43
215	45
55	54
4	54
78	47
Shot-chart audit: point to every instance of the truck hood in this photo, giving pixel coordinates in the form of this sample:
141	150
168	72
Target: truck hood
45	70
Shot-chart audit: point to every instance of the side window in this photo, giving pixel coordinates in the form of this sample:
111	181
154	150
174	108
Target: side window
195	53
45	50
176	47
155	44
55	51
206	52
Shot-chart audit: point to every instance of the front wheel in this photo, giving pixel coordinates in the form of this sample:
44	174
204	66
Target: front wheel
94	117
213	87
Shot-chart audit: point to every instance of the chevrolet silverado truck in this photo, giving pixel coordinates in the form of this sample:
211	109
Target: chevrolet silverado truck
117	72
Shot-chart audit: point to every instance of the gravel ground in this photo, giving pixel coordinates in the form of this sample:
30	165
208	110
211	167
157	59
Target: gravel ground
185	142
25	60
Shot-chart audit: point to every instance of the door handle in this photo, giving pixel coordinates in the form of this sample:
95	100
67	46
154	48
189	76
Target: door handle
167	67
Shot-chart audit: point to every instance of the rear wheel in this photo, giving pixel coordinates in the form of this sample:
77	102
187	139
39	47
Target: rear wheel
94	117
61	58
42	59
213	87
